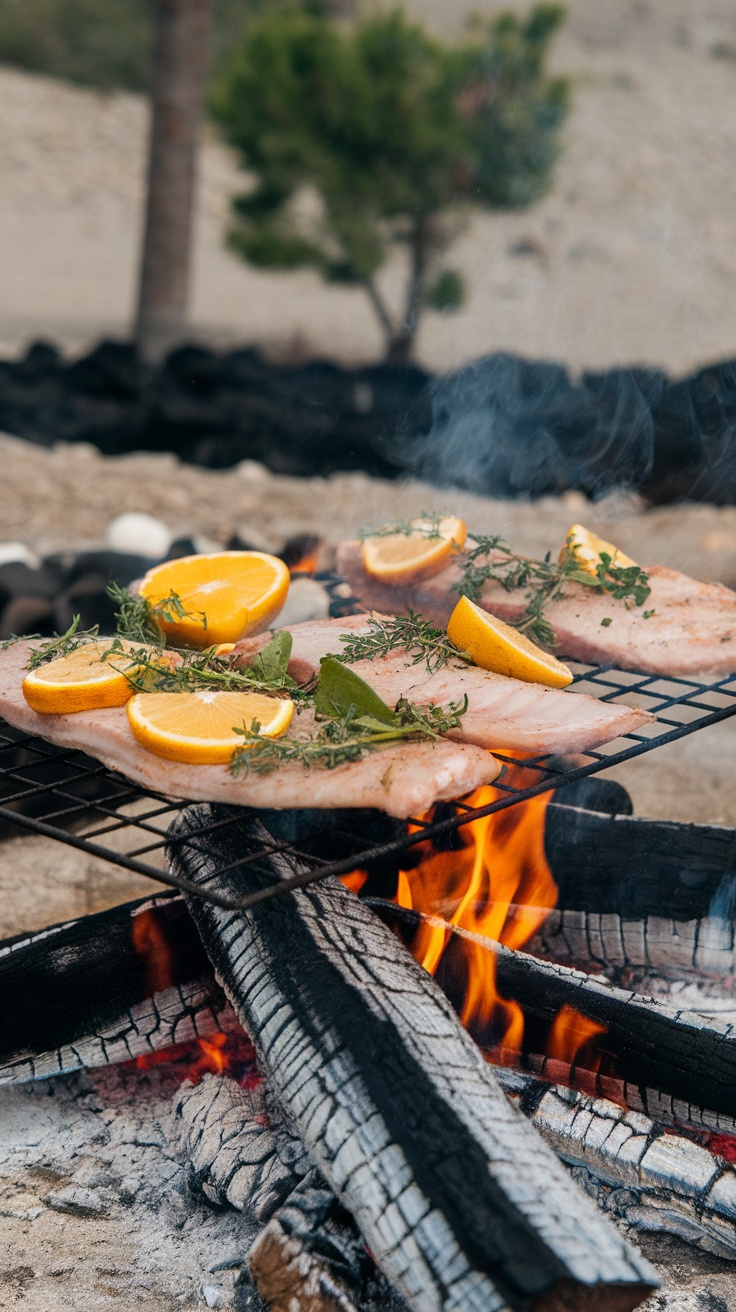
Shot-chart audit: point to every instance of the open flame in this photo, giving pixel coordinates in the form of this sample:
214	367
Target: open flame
496	884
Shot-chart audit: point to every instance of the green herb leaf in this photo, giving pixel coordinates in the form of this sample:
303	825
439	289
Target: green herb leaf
404	633
428	528
341	692
140	621
605	623
271	664
63	644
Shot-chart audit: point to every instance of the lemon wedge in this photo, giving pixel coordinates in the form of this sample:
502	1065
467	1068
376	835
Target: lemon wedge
587	548
404	557
495	646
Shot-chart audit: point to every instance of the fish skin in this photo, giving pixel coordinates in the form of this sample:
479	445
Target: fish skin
403	779
692	633
502	714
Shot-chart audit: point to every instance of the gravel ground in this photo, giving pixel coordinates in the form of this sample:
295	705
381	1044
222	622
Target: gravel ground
630	258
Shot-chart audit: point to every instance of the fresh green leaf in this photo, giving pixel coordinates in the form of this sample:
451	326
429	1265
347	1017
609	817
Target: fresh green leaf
271	664
341	692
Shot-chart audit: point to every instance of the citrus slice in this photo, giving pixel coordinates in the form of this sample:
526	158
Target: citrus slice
237	593
81	681
495	646
199	728
402	557
587	548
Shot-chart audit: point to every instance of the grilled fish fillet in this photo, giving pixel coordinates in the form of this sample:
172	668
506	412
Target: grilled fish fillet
691	633
402	779
502	713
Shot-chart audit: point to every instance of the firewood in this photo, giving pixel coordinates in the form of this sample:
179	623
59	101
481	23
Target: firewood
637	892
82	994
651	1180
458	1200
672	1064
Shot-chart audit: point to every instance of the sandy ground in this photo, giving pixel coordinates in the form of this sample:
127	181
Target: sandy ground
632	252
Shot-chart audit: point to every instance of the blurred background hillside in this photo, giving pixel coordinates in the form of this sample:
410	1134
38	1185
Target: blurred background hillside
630	258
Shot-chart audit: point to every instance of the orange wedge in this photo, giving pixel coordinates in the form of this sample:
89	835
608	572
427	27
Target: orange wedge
81	681
198	728
403	557
587	548
495	646
239	593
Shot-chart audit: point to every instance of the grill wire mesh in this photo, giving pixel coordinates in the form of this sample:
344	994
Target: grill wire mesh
69	797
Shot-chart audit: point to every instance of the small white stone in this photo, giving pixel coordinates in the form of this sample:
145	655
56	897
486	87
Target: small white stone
214	1295
139	534
17	553
306	600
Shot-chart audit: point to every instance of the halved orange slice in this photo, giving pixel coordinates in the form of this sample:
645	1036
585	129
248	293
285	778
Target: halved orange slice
587	548
403	557
238	592
496	646
81	681
199	728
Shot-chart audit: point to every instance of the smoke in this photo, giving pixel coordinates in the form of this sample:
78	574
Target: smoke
508	427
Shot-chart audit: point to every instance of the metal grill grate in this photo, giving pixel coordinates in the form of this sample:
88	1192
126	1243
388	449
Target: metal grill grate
71	798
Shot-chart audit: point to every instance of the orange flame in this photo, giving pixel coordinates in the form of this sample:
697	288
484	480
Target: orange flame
499	886
232	1052
307	564
149	940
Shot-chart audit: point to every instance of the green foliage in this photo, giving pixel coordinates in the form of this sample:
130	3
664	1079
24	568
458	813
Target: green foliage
394	131
105	43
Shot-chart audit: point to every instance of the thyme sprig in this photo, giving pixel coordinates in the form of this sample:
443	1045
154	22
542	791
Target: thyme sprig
153	670
417	638
63	644
140	620
339	741
493	559
426	525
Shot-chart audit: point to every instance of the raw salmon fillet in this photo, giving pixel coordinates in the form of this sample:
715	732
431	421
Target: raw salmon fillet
402	779
503	713
692	632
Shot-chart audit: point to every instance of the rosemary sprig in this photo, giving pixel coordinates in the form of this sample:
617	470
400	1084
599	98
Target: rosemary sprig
493	559
416	637
149	670
426	525
341	740
139	620
63	644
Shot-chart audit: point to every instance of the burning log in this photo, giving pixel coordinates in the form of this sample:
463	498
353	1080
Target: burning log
572	1028
651	1180
456	1198
639	892
104	989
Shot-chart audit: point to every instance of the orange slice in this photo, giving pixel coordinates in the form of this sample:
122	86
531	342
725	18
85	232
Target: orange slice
587	548
198	728
495	646
239	592
81	681
403	557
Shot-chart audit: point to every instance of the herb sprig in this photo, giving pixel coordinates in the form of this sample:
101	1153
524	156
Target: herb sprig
493	559
63	644
355	721
417	638
140	620
153	671
426	525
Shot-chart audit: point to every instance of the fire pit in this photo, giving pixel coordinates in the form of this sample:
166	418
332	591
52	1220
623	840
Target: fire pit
571	1047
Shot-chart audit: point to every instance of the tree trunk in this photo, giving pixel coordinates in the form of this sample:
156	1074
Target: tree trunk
179	67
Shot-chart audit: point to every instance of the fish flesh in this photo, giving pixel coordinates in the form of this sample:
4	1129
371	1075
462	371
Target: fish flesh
685	629
402	779
502	714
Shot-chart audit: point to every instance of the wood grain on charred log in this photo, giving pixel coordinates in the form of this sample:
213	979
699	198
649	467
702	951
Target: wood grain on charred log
461	1205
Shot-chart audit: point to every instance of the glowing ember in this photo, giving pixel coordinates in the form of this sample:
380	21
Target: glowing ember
232	1053
150	942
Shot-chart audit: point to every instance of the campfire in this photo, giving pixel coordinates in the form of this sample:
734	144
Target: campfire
398	1127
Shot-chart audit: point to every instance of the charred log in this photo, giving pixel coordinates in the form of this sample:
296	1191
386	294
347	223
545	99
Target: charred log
651	1180
647	1055
395	1105
640	892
